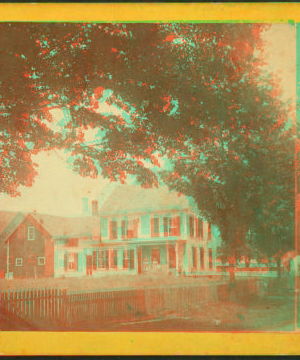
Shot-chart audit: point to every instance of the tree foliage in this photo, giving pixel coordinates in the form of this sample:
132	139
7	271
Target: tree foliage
194	93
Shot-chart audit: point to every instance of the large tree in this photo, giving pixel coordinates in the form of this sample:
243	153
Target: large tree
192	92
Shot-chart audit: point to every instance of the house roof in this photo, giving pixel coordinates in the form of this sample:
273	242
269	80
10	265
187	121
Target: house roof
129	199
6	218
55	226
9	223
58	226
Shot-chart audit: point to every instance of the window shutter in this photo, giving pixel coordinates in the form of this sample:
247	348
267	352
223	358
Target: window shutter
106	259
119	231
197	227
94	260
161	224
201	232
152	228
123	229
178	225
79	261
131	259
103	228
66	261
145	224
110	230
165	226
76	261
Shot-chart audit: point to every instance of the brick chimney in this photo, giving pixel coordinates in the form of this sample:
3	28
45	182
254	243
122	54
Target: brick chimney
95	207
85	205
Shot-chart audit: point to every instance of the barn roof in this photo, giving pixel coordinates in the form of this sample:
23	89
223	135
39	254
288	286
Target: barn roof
58	226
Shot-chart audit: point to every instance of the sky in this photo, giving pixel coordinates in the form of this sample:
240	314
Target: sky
58	190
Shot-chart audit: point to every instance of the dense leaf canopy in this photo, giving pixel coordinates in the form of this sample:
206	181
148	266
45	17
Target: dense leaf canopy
194	95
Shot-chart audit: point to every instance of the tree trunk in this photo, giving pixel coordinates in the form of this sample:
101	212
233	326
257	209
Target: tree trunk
232	274
279	267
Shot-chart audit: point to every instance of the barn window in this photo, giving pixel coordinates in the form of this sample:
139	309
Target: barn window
19	261
41	261
32	258
31	233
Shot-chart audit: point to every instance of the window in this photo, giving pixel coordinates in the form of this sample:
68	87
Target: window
115	258
113	230
95	258
201	258
32	258
103	259
19	261
61	259
200	228
31	233
194	259
72	261
209	233
191	220
128	259
123	228
167	226
21	231
210	258
131	258
41	261
178	225
10	260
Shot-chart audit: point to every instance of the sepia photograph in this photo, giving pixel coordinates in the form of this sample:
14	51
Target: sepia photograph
148	177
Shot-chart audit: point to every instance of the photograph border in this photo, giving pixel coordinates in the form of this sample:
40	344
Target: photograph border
150	343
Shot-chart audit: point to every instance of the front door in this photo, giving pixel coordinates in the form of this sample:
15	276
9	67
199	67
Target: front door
89	264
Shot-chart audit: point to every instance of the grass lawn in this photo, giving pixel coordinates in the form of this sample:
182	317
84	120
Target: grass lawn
88	283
